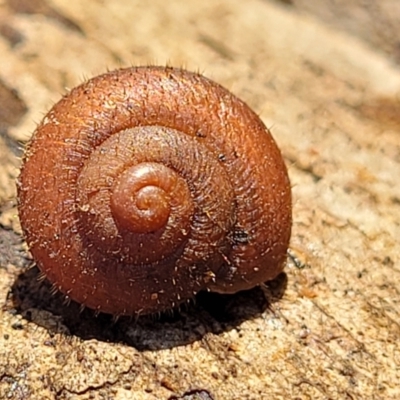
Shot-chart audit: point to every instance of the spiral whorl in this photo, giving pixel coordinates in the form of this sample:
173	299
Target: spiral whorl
145	185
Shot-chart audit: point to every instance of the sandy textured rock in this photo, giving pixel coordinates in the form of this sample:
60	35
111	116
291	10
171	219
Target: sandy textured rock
328	328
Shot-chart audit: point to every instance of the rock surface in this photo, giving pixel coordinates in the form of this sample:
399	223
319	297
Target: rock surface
326	329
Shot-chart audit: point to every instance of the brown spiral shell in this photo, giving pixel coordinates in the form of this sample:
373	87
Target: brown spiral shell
145	185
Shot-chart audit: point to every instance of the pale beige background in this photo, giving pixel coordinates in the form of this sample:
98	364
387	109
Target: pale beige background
328	85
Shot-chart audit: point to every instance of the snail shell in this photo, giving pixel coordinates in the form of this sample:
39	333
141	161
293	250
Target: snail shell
145	185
